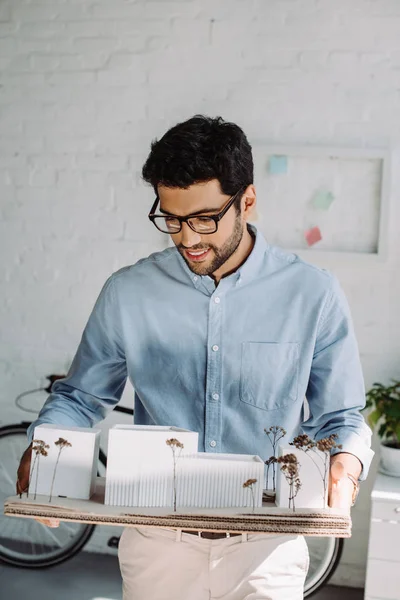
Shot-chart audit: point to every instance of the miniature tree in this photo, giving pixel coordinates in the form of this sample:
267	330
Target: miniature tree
310	447
289	466
270	461
40	450
176	448
61	443
249	485
275	433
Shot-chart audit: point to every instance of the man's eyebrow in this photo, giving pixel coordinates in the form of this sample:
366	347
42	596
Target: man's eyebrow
199	212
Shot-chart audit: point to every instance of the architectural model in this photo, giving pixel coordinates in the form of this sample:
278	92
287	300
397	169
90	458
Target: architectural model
160	467
156	478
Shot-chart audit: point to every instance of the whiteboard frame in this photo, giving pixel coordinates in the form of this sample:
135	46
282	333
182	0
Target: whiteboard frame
305	151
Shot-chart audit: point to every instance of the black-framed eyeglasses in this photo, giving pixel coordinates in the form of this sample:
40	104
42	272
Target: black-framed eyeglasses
200	224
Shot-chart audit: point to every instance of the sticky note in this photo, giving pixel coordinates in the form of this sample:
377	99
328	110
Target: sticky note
322	199
278	164
313	236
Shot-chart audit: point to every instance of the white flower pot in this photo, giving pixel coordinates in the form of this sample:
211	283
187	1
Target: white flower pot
390	460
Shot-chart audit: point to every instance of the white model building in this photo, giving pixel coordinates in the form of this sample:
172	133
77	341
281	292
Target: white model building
137	459
216	481
311	469
68	471
140	468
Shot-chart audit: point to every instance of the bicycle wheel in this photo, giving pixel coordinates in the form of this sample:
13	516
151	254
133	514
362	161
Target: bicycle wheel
325	553
26	542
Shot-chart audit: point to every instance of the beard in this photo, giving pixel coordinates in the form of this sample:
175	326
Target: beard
219	254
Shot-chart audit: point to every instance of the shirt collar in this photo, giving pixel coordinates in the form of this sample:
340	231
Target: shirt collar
251	267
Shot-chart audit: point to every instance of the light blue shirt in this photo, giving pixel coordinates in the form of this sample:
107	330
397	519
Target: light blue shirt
226	361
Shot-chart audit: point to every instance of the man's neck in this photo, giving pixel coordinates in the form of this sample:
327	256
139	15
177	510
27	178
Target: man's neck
237	259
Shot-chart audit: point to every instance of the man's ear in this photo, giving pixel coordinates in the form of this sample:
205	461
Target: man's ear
249	202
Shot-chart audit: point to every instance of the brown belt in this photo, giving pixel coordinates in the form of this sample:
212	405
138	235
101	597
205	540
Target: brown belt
211	535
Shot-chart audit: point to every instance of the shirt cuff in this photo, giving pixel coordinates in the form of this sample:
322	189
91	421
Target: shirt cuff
354	444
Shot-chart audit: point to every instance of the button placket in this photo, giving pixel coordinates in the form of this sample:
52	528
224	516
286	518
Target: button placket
213	377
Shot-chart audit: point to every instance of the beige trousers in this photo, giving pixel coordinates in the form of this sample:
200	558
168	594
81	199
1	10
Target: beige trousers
165	564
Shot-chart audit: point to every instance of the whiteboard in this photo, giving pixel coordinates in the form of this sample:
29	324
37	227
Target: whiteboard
288	198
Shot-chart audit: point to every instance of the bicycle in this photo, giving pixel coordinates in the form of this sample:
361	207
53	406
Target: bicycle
29	544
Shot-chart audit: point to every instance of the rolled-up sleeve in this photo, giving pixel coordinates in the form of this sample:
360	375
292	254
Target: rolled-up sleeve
97	376
336	392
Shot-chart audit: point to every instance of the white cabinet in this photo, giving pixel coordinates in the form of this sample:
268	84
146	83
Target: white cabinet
383	567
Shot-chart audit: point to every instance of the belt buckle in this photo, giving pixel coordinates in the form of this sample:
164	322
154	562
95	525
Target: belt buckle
226	533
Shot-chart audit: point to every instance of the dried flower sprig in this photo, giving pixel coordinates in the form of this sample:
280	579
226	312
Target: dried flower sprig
275	433
174	443
61	443
176	448
270	461
289	466
249	485
40	449
324	445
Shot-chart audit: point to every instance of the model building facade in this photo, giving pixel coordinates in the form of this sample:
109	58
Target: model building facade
139	463
313	492
144	471
70	471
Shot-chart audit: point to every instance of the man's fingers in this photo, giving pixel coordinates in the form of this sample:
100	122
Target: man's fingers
22	482
23	471
21	488
340	494
338	471
49	522
340	487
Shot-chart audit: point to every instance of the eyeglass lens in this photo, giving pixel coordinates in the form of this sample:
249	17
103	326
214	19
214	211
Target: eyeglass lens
198	224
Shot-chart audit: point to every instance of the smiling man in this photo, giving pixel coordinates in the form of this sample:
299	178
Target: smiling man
225	335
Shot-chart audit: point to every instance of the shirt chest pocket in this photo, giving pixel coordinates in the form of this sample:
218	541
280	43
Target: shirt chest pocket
269	374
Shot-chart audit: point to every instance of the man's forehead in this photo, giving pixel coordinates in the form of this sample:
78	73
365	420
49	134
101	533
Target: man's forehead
198	198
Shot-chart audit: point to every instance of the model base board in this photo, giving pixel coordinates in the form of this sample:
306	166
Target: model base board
268	519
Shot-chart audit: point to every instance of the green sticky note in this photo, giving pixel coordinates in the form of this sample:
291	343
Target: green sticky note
322	199
278	164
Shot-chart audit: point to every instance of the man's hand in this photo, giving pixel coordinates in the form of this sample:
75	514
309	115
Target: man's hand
23	471
23	482
341	488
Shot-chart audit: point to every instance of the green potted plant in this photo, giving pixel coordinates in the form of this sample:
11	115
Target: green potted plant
385	414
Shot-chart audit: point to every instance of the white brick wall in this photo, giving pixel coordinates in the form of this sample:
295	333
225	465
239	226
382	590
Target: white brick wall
85	86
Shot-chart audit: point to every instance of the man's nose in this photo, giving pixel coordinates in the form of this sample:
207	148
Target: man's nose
189	237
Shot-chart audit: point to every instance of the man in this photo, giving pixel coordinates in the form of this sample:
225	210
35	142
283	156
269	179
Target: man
224	335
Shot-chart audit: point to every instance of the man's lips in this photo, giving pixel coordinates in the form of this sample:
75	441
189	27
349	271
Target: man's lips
197	255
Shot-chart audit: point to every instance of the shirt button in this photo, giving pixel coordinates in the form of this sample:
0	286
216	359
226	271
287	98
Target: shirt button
217	300
215	396
213	443
195	278
215	348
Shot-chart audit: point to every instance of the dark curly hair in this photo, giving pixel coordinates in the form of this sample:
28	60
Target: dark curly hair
199	150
